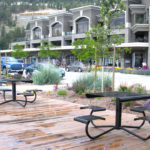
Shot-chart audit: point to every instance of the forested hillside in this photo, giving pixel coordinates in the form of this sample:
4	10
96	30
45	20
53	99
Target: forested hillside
9	7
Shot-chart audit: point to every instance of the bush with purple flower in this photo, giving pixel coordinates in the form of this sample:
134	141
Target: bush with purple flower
147	104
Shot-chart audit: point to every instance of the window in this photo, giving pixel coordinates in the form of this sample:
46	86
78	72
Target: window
56	29
117	22
82	25
141	37
70	59
36	33
140	18
56	43
120	36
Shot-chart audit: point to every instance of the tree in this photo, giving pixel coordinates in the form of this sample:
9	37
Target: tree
14	35
3	31
46	50
18	51
98	42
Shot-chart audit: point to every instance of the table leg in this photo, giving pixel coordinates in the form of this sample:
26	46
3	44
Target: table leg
14	91
118	113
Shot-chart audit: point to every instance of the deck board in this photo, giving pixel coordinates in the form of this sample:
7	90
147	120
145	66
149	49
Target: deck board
48	125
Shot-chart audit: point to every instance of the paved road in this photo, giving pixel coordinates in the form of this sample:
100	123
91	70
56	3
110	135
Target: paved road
120	78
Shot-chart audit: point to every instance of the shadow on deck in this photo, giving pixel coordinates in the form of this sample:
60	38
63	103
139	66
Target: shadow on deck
48	125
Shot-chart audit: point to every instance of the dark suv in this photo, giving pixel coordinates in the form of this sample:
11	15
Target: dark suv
12	65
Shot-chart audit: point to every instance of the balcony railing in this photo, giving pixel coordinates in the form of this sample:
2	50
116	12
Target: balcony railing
20	39
45	36
135	2
68	33
36	38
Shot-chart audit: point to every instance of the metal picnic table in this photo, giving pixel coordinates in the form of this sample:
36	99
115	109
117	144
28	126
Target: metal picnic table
121	97
13	82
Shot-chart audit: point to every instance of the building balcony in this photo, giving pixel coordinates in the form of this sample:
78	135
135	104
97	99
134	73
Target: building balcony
57	38
36	38
134	45
79	35
140	28
45	37
68	36
135	2
35	41
137	8
68	33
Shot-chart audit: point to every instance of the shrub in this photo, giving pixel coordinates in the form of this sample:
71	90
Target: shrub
147	103
127	104
124	88
113	99
62	92
107	83
79	87
46	76
86	82
80	92
133	71
138	88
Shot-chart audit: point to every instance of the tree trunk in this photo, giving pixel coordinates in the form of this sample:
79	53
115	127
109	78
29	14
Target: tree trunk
95	70
113	73
0	65
102	89
49	59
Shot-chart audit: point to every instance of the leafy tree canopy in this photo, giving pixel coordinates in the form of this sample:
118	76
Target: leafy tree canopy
46	50
18	51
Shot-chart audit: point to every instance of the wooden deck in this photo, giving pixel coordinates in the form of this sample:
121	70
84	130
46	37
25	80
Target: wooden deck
48	125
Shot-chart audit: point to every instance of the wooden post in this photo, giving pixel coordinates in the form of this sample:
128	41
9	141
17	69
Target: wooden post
6	64
113	73
95	71
102	88
0	66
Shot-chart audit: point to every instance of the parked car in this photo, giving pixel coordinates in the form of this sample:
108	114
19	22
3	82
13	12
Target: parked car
11	64
37	66
76	66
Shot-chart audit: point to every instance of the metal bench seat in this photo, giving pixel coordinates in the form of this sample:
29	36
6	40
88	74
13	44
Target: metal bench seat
4	92
145	118
7	90
34	90
93	108
25	94
140	109
88	118
31	92
26	100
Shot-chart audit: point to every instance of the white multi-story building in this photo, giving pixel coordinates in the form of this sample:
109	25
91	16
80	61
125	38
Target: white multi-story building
61	29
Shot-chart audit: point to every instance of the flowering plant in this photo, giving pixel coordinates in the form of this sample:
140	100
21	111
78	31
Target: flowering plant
147	103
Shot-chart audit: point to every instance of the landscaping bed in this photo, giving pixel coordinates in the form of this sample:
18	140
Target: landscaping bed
106	102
